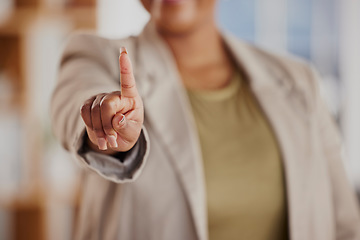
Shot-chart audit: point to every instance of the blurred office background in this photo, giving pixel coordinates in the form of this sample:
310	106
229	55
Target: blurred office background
39	181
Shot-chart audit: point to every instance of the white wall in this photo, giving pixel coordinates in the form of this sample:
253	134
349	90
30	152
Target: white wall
271	28
120	18
350	74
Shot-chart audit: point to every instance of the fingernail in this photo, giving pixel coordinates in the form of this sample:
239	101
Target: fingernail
112	141
123	50
122	119
102	143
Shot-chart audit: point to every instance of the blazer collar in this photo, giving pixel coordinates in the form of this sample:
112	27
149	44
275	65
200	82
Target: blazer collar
168	114
155	50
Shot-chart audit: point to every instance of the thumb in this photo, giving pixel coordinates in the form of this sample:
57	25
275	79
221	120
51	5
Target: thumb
128	131
119	122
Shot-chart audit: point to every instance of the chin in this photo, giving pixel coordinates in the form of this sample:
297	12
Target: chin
176	27
177	17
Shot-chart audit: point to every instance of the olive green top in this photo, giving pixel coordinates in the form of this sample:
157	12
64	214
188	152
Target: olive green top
243	167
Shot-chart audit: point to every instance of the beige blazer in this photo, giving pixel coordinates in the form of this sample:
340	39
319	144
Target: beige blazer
157	192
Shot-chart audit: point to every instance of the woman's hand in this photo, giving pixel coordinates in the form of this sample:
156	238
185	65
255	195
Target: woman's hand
114	120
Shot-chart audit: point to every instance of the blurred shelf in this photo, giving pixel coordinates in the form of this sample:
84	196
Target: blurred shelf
13	33
39	195
82	17
20	19
28	203
27	3
40	3
77	3
11	65
17	21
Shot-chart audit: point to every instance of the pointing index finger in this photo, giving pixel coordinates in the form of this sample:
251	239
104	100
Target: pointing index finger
127	80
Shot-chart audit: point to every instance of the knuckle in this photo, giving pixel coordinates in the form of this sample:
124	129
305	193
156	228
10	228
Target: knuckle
128	85
98	131
115	93
90	100
95	109
84	109
108	128
125	70
108	104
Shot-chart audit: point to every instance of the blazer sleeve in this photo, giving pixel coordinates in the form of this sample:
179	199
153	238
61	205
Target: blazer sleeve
89	67
346	210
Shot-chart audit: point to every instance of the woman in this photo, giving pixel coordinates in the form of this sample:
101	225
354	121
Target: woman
235	142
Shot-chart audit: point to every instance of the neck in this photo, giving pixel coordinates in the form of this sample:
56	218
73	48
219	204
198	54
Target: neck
201	56
197	47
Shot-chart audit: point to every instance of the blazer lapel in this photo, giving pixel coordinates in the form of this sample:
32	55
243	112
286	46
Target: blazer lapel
167	114
284	106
